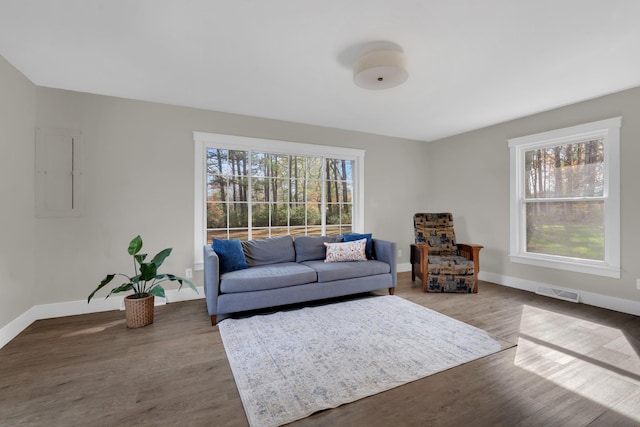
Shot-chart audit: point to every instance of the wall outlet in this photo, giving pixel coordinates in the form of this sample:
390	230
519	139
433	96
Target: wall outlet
638	284
399	252
188	273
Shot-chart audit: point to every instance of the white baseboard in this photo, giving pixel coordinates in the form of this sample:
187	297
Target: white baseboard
404	267
590	298
71	308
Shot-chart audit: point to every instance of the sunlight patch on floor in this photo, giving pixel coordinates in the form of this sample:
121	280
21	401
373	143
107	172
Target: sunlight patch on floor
592	360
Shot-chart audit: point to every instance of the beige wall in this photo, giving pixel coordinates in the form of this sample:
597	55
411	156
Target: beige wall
139	179
17	183
478	191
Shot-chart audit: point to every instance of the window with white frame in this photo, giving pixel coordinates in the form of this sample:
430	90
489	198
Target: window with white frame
252	188
565	198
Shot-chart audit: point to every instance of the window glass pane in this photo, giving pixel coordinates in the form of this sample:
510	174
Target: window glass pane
298	214
260	164
314	168
314	231
259	189
334	191
313	191
298	231
297	191
345	213
279	165
216	215
314	216
260	233
280	190
238	215
277	231
217	188
241	233
260	215
217	161
216	234
333	230
570	229
238	188
570	170
333	214
279	214
237	165
297	167
338	169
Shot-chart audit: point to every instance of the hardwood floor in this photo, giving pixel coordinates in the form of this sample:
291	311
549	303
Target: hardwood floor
573	365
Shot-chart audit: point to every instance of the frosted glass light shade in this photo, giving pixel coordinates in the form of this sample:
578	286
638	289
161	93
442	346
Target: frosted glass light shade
380	70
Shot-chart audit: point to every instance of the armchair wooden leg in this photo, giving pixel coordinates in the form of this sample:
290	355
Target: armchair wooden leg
213	320
392	291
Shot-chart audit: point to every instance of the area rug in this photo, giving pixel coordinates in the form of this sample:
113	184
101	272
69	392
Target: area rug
290	364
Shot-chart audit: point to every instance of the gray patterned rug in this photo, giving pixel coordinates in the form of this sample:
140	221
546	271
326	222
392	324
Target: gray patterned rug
290	364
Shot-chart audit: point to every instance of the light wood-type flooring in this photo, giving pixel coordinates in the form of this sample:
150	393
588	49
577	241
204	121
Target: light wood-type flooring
574	365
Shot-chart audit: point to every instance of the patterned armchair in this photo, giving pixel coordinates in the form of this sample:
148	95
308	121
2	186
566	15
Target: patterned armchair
442	264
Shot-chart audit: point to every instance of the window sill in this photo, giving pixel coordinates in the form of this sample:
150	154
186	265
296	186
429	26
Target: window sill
569	264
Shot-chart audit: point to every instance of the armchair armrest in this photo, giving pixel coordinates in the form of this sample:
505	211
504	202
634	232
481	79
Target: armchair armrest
386	251
471	252
419	257
211	281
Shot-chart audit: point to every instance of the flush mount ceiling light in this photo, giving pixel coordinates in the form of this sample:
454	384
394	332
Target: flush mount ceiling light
382	69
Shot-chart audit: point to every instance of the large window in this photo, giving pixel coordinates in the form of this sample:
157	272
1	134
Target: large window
250	188
565	198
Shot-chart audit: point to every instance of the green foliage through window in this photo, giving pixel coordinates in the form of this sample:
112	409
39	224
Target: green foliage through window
258	194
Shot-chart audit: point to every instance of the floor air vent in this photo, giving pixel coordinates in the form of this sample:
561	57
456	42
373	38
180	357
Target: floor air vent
558	293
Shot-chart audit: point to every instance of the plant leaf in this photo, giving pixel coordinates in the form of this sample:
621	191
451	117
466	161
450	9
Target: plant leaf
181	281
148	271
122	288
105	281
157	291
140	258
160	257
135	245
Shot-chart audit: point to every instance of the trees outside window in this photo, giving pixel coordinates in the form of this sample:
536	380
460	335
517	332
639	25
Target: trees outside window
249	188
565	198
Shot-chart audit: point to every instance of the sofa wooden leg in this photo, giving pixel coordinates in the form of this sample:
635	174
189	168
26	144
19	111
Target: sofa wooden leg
213	320
392	291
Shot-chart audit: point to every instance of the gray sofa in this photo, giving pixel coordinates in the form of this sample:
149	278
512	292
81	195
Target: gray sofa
284	271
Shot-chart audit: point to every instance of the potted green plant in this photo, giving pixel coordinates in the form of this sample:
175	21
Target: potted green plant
145	284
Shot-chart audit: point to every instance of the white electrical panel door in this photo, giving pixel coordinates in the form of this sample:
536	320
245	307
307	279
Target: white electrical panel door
58	172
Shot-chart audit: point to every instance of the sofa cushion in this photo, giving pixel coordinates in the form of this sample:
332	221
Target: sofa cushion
312	247
267	277
350	237
346	251
272	250
230	254
328	272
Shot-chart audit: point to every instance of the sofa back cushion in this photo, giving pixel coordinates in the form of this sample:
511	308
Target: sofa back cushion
273	250
312	247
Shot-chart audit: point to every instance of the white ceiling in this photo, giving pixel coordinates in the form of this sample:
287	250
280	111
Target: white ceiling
472	63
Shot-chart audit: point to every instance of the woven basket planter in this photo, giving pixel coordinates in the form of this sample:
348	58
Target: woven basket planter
139	311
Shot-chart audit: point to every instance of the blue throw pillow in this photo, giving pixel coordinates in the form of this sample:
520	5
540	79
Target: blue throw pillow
350	237
230	254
